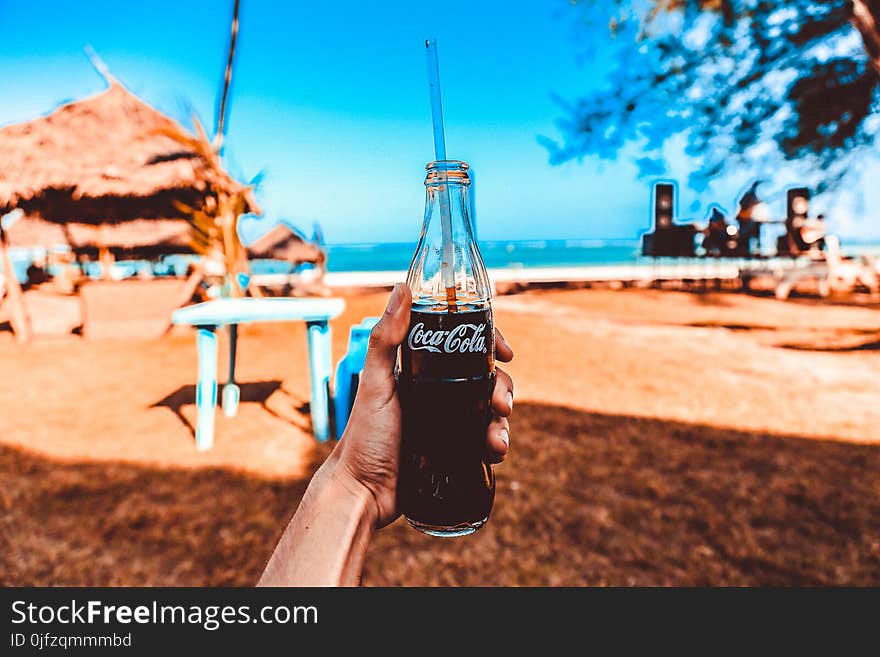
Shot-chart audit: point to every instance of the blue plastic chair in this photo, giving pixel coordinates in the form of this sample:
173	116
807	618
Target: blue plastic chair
348	372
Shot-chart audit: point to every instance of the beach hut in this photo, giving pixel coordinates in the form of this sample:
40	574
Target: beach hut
284	243
289	245
106	176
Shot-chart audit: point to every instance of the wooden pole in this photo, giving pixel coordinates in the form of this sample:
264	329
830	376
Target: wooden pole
227	82
107	260
13	297
105	255
230	250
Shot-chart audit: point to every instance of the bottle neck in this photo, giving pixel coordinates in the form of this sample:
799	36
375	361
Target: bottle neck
447	269
448	199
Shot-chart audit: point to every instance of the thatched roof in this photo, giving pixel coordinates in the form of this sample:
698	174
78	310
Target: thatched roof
138	237
283	243
104	159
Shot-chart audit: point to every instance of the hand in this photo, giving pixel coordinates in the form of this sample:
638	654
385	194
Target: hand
369	449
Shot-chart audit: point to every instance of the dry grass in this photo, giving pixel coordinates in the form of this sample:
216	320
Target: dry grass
589	500
595	499
116	524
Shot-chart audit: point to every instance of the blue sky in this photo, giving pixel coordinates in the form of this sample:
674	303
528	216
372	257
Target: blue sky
330	101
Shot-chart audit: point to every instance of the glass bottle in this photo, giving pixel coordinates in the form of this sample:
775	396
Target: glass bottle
447	367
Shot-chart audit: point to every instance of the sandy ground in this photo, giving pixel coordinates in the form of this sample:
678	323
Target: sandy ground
658	438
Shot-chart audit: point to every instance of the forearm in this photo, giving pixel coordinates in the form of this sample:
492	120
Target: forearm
326	541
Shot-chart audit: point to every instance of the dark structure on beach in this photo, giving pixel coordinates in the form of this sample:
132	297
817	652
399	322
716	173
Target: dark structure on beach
801	233
721	238
668	238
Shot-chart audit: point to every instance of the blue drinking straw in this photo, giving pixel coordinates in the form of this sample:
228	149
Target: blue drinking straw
447	270
436	102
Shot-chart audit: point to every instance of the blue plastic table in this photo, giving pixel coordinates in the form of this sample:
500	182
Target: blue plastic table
207	317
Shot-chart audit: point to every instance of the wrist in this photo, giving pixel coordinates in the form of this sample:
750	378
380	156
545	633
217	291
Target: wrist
326	542
339	482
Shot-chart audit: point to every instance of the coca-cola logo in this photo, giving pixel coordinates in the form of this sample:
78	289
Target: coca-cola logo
464	338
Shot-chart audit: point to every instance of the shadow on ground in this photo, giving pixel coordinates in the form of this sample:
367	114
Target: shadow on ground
829	340
732	327
871	345
590	499
257	391
123	524
586	498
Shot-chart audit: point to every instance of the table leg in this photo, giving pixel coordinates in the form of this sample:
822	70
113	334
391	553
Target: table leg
320	366
231	391
206	388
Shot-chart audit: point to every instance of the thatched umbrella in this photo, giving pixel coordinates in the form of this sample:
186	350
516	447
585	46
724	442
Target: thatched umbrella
108	170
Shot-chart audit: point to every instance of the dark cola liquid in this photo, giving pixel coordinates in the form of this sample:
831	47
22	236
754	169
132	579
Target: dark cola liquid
446	379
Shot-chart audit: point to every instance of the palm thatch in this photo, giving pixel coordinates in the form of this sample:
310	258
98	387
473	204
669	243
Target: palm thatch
111	160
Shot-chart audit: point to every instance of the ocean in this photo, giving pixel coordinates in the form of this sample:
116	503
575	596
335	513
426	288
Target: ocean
500	254
512	254
394	257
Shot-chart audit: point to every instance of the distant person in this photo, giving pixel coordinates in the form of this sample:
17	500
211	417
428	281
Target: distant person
806	235
354	492
715	235
37	272
815	232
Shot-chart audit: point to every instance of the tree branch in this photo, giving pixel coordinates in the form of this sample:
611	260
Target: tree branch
866	23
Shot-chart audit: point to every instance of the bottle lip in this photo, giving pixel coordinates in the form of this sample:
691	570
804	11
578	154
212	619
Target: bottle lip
449	165
455	172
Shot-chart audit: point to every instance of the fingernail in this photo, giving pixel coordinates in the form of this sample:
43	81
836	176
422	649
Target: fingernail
395	300
510	400
505	436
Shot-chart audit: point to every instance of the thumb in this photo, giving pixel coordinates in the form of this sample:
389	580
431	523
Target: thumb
387	335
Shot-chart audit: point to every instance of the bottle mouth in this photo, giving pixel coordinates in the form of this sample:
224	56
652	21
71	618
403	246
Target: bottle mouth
456	172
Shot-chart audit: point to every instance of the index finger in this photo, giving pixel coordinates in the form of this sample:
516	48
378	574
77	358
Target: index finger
503	352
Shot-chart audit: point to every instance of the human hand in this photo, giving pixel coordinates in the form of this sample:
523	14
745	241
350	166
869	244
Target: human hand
369	451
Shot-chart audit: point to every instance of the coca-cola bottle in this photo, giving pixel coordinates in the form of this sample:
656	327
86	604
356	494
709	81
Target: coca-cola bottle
447	367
